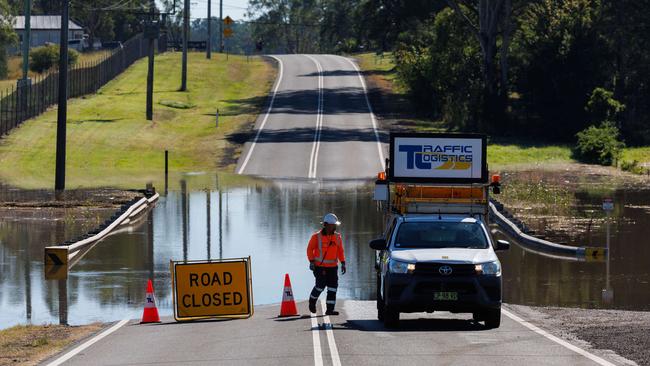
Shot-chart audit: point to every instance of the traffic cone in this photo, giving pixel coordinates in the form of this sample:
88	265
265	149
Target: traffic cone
150	314
288	307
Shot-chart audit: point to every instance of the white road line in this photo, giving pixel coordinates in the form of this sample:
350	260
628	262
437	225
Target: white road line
557	340
336	361
380	150
88	343
266	117
318	354
313	160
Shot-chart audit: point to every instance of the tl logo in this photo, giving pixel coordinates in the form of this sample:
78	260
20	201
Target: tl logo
447	157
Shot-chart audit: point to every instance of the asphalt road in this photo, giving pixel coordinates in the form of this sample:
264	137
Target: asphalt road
317	125
353	338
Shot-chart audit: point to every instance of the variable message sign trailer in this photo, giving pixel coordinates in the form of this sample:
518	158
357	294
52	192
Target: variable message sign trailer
436	252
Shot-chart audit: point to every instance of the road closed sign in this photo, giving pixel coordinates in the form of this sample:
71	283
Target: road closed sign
438	158
212	289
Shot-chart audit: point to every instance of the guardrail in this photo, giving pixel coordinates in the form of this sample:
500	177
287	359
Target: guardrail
540	244
62	255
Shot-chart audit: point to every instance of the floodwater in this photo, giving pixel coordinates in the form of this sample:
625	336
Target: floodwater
271	222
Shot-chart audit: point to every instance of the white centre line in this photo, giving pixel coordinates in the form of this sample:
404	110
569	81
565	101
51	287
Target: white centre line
318	353
313	160
336	361
88	343
266	117
380	150
557	340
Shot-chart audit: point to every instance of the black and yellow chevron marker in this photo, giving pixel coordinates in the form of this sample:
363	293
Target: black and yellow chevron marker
56	256
595	254
55	272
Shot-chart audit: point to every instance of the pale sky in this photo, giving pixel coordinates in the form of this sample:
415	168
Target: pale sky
199	8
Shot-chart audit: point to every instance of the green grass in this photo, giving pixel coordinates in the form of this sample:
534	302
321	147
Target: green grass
640	154
504	155
381	64
111	144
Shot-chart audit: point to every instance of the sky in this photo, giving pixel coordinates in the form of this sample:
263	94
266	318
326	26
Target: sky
236	9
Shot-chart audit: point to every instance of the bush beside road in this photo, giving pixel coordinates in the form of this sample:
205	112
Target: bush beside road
110	143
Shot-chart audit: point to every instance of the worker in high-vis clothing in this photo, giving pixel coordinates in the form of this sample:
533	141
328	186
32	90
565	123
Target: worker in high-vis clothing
324	251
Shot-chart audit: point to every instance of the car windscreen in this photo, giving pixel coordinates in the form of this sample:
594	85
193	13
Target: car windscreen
441	235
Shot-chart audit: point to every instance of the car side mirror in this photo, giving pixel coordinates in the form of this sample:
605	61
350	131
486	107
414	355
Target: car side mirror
378	244
502	245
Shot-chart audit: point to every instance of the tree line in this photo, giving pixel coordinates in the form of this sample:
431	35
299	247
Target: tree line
544	69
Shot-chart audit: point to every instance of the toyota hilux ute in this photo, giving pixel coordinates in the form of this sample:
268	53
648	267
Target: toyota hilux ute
436	252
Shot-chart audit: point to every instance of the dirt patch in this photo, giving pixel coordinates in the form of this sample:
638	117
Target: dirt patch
30	344
101	198
605	331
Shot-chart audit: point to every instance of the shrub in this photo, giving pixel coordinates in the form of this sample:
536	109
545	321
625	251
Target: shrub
599	145
632	167
44	58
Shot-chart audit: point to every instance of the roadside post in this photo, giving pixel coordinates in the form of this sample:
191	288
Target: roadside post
608	292
151	33
212	289
166	171
217	118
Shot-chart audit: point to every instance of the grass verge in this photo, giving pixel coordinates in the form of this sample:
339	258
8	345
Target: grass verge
111	144
29	344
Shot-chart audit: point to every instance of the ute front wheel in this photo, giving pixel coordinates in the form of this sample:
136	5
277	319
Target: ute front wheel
492	318
391	317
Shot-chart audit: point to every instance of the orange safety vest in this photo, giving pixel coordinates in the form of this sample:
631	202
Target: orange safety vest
325	250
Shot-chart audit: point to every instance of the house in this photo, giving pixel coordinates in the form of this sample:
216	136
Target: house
47	29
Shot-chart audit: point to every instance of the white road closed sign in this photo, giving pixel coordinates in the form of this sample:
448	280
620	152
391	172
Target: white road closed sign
438	158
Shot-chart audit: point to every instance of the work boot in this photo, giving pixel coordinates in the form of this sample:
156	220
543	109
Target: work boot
331	312
312	306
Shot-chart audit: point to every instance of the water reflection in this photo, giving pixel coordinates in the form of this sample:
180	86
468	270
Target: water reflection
272	223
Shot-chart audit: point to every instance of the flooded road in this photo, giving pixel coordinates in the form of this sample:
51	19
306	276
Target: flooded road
272	222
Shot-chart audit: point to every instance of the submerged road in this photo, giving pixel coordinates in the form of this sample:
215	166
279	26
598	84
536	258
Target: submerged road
353	338
318	124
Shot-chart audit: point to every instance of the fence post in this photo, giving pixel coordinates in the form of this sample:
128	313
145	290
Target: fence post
2	122
15	110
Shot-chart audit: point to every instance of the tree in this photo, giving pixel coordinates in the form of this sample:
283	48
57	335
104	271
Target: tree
7	35
494	22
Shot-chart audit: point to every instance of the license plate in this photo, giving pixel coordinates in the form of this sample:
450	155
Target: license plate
445	296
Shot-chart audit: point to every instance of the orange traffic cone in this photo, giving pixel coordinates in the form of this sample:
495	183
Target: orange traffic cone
150	314
288	307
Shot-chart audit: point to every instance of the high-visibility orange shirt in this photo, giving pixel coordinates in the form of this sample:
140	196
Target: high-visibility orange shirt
330	245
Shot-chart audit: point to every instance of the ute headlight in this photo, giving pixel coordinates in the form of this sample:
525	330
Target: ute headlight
400	267
489	268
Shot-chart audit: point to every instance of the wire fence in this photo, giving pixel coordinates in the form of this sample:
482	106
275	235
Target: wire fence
19	104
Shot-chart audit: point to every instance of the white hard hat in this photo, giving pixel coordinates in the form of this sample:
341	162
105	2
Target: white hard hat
330	218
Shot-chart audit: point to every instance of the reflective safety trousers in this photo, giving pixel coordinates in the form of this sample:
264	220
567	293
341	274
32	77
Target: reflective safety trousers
325	250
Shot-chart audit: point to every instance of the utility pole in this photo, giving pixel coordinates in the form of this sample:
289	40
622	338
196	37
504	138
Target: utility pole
27	40
209	43
151	33
62	113
221	26
186	36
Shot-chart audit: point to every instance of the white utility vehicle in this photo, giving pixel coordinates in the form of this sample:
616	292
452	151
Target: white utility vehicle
436	252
